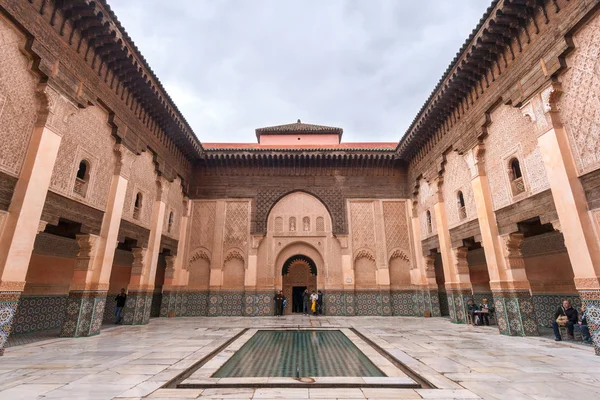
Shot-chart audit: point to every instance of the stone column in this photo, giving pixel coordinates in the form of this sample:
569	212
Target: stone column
145	262
508	281
91	276
422	272
139	300
458	284
21	223
170	289
576	221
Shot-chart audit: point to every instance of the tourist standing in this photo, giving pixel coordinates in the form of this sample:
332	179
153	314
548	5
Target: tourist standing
120	299
320	302
279	303
313	302
582	326
305	301
486	310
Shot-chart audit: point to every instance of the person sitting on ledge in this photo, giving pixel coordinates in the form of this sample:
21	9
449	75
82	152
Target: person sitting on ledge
487	310
567	316
582	326
471	308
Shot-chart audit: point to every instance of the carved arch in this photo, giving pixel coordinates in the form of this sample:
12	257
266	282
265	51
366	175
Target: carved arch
197	254
234	254
364	253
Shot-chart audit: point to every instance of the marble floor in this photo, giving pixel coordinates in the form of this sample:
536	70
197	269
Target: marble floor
136	362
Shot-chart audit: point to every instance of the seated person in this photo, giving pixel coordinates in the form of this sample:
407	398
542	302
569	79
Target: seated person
471	308
569	318
486	310
583	327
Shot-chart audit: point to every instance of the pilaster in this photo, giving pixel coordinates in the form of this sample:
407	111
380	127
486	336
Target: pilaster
21	223
508	280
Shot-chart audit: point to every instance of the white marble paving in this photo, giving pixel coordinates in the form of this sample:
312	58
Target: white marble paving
134	362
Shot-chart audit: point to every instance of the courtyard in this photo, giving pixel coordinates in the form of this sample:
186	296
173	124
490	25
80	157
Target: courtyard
159	360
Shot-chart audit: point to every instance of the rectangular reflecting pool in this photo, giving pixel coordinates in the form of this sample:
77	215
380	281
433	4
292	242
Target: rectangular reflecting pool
314	353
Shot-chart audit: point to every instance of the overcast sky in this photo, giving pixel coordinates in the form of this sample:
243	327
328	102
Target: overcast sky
232	66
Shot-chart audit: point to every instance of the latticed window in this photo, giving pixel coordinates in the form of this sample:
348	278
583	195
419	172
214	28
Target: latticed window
516	177
82	178
320	224
429	224
462	210
292	224
137	206
306	224
278	224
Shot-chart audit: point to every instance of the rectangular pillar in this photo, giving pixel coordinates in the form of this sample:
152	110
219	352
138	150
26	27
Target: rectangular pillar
576	222
21	223
508	280
91	276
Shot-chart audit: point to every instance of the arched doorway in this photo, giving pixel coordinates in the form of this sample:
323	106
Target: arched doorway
299	273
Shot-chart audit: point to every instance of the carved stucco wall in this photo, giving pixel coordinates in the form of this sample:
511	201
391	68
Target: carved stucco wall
426	200
175	206
143	179
580	104
363	227
87	137
202	226
18	105
511	134
278	242
397	242
457	177
237	228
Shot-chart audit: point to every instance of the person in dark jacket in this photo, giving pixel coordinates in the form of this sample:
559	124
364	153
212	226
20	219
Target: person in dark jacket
572	319
306	302
279	298
120	299
471	308
582	326
320	302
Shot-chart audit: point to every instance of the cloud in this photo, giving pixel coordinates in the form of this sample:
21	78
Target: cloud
232	66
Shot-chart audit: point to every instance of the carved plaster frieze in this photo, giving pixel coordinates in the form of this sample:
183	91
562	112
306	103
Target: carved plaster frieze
87	251
233	254
399	254
364	253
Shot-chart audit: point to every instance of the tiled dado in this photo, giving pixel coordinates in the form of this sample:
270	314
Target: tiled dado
259	303
196	304
137	308
591	299
357	303
545	306
515	313
9	302
234	303
38	313
414	303
83	314
457	305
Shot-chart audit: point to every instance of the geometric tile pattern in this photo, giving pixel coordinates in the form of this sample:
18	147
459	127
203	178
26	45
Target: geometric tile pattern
137	308
444	307
515	313
156	304
591	299
38	313
225	303
258	304
84	313
196	304
457	305
9	302
406	303
545	306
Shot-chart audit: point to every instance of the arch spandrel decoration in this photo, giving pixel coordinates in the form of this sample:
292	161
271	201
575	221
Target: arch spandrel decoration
332	198
197	254
364	253
299	259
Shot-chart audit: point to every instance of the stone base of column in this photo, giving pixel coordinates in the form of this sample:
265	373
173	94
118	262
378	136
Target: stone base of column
515	313
457	304
428	300
591	299
137	308
8	309
84	314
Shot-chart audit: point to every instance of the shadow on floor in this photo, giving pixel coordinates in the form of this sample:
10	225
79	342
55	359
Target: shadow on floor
22	339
